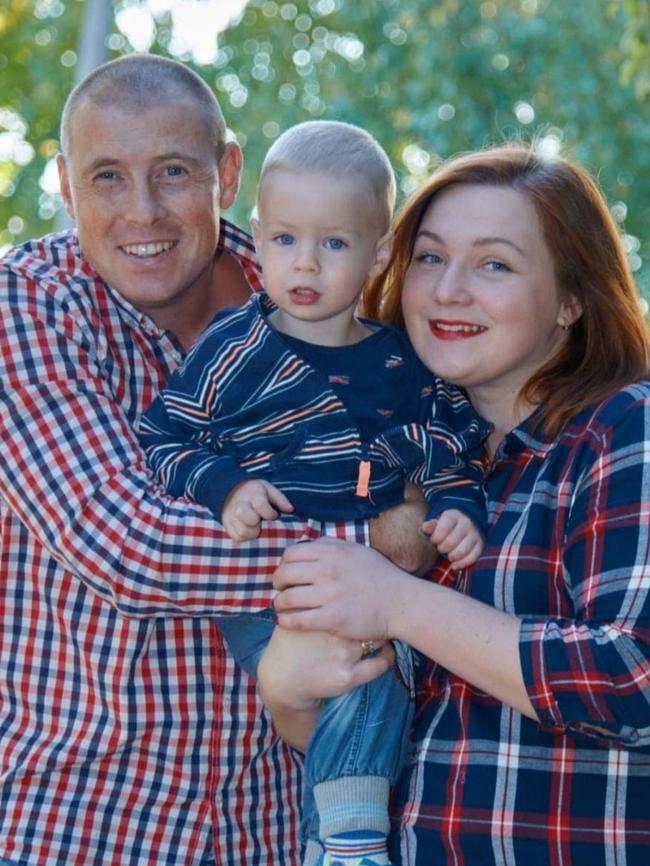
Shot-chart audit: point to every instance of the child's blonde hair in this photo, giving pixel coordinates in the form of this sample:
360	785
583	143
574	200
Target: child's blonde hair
338	149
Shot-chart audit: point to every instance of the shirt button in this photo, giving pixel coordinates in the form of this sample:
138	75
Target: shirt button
149	328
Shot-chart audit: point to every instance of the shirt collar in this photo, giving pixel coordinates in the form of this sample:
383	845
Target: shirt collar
528	435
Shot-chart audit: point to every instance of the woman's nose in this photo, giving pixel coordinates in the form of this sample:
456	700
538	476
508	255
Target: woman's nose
451	286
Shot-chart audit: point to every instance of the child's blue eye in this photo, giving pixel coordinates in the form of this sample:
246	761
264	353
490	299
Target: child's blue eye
334	244
285	240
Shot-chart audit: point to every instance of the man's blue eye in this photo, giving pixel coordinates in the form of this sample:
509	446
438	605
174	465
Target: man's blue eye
174	170
497	266
335	244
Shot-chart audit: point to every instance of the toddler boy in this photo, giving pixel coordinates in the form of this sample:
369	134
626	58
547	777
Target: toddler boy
293	403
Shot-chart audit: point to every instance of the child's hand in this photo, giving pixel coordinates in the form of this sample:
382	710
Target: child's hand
455	536
248	504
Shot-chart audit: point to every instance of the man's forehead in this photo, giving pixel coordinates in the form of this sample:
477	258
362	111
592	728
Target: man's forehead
122	130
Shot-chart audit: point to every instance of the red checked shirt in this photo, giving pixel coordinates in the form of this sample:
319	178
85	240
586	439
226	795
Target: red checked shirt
127	735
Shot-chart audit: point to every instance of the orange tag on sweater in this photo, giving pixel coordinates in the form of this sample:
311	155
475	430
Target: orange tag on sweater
363	478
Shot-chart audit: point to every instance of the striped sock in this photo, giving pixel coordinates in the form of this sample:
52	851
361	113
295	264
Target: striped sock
357	848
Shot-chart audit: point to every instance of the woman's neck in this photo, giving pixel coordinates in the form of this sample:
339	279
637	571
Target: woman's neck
502	410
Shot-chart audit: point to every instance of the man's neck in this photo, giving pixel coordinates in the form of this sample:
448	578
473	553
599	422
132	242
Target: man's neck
226	287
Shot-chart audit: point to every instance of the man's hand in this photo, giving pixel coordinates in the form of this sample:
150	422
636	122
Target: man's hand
298	669
396	533
248	504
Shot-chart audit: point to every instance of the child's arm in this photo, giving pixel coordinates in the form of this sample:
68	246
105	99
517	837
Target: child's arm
451	476
177	431
248	504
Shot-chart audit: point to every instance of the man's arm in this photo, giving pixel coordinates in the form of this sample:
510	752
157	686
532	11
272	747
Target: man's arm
73	474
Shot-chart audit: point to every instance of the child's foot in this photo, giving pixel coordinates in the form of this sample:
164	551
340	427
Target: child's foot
356	848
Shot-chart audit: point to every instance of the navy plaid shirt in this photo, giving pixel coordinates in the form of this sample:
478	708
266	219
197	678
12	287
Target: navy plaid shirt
127	734
568	551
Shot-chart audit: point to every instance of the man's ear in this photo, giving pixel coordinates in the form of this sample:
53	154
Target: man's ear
383	251
64	183
230	168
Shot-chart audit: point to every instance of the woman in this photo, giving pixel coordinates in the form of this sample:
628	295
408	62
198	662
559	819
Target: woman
531	742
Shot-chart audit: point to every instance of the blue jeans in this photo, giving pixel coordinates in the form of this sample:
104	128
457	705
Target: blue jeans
361	733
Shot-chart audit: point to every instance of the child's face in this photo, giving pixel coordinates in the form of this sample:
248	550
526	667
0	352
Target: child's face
318	242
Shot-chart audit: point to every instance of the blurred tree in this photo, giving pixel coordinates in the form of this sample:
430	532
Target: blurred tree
427	78
636	46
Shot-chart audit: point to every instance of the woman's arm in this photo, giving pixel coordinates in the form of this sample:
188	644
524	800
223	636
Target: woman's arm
356	593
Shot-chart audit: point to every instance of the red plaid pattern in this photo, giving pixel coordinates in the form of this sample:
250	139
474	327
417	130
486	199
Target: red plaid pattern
127	735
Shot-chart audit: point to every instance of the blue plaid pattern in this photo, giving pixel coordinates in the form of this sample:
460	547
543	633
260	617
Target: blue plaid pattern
568	551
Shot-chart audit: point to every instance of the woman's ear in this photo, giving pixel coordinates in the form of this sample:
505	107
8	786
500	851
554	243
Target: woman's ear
383	251
570	312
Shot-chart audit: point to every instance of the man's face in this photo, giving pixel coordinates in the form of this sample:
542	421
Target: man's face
146	191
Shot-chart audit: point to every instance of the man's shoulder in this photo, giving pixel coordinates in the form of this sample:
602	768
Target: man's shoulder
50	278
54	256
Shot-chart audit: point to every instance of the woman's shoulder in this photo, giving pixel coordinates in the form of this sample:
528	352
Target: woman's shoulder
624	414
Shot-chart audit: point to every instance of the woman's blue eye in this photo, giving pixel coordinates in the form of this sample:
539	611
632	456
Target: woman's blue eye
428	258
335	244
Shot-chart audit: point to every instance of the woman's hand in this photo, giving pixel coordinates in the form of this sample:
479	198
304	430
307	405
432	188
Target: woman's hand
339	587
297	670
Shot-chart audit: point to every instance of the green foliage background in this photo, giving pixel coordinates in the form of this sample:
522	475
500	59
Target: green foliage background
427	78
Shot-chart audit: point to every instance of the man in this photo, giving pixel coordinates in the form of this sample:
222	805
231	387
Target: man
127	735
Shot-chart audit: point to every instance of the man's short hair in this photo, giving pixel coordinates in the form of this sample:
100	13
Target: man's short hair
339	149
138	81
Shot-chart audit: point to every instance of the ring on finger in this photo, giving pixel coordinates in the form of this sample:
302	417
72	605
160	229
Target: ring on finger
368	648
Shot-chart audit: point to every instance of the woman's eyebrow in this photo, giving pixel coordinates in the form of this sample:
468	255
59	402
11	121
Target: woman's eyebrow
497	240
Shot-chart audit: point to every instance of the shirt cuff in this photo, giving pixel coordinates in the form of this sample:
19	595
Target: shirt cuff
216	484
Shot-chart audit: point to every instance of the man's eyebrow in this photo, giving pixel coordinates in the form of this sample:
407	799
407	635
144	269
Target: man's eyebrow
107	161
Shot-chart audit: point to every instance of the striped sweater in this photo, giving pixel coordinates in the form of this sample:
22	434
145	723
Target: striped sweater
245	403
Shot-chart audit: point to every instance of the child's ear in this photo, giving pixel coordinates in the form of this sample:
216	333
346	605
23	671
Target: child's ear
383	252
255	228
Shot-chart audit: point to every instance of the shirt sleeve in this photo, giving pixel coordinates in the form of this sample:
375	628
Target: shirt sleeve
76	478
452	473
176	431
590	672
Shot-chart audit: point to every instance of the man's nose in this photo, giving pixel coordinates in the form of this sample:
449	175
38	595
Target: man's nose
143	202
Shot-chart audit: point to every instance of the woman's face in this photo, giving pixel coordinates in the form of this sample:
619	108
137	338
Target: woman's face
480	300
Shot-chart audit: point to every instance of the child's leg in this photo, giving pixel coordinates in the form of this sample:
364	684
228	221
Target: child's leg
356	752
247	635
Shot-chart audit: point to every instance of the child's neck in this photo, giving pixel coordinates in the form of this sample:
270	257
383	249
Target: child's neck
331	332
